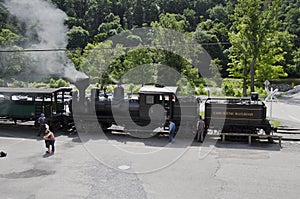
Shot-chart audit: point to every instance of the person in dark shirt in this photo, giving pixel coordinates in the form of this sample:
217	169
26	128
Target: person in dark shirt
42	122
172	128
200	129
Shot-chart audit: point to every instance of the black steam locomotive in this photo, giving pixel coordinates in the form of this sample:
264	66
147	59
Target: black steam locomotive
228	115
151	108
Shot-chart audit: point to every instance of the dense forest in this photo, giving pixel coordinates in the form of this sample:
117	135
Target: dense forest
248	40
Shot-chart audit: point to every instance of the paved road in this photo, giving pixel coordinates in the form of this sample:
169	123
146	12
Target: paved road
92	169
286	109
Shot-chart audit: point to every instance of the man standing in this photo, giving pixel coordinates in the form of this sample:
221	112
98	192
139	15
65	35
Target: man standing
172	128
200	130
42	122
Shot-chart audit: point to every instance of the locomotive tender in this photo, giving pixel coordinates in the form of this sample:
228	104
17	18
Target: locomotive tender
237	115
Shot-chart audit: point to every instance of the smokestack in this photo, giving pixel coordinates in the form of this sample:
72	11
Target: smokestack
82	83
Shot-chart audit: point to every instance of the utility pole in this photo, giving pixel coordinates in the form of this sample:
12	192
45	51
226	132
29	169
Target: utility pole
270	97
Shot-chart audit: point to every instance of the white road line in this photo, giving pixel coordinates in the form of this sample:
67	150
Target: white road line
15	138
32	139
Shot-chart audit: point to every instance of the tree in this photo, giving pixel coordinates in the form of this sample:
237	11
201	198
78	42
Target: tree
151	11
292	25
138	14
77	38
210	34
3	15
190	16
201	7
96	13
255	24
173	44
175	22
209	41
218	14
174	6
8	38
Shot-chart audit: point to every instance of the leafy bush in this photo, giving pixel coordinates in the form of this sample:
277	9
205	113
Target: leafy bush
130	88
216	92
38	85
232	87
228	90
201	90
136	89
238	93
17	83
62	83
58	83
110	88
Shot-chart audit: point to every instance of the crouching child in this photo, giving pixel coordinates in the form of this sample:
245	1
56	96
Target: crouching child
49	140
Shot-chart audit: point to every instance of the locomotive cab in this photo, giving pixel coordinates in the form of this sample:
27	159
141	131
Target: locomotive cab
165	96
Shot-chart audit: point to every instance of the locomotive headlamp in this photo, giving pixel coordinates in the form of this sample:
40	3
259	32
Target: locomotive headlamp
254	96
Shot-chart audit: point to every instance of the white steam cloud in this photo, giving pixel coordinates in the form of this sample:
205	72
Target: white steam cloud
46	30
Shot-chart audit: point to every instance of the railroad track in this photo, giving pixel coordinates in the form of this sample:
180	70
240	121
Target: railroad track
9	124
289	131
291	139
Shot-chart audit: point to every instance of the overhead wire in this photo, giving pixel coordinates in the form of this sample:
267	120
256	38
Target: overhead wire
124	47
110	48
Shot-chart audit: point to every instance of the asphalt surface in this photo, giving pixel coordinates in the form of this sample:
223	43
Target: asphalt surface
209	170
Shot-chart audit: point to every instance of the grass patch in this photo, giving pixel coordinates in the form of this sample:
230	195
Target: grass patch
275	123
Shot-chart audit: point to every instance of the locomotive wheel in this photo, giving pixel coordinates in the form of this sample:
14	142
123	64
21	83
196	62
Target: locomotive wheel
105	127
270	140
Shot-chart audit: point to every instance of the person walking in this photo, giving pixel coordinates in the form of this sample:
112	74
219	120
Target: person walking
49	140
172	128
42	122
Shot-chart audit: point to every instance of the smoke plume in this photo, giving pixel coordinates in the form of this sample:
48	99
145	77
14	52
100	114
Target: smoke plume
45	30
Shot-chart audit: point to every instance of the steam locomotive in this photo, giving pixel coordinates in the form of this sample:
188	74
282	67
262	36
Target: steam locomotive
153	107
